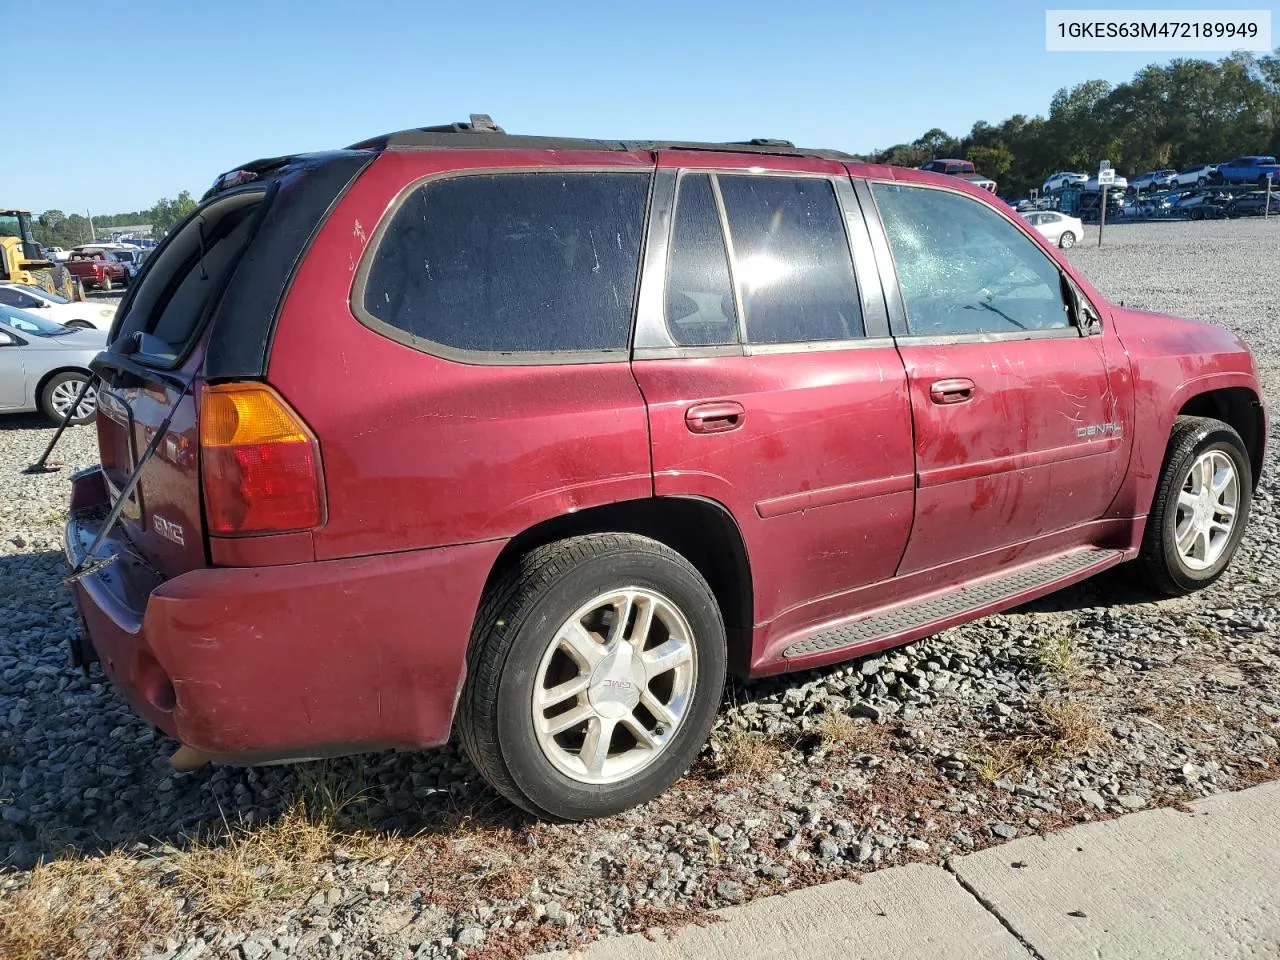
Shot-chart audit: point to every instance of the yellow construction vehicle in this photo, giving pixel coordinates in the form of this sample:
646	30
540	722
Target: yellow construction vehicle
21	260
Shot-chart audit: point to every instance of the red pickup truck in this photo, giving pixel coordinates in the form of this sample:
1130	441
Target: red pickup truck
97	268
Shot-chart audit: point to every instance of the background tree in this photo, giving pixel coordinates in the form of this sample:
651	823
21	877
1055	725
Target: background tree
1169	115
995	161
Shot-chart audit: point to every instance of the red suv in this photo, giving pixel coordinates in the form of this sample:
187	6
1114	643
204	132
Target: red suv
538	437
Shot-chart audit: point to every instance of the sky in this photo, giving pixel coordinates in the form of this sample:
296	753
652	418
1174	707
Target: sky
161	97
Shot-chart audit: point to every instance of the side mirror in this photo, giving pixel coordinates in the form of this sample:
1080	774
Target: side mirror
1086	317
1079	309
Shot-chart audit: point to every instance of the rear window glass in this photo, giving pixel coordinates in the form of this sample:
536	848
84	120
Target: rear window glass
176	295
791	259
513	263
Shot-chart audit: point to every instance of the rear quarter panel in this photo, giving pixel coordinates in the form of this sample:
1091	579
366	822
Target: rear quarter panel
419	451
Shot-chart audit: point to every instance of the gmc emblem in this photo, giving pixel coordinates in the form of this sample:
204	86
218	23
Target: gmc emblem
169	530
620	684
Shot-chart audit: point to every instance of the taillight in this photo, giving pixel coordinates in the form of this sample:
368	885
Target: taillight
259	463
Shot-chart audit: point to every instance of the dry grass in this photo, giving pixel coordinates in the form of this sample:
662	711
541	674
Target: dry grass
224	876
40	921
469	854
858	735
741	753
1060	729
241	868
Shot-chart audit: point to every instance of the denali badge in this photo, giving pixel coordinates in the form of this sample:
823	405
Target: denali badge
169	530
1098	430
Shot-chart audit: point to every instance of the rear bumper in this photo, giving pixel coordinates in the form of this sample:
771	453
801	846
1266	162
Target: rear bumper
253	664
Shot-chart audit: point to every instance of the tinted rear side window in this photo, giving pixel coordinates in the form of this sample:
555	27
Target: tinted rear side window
527	263
700	308
791	259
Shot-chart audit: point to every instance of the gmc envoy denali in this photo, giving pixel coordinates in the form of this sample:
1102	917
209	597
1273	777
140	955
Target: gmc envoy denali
538	437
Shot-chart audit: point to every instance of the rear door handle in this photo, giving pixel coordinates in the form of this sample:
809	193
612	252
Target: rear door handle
718	417
956	390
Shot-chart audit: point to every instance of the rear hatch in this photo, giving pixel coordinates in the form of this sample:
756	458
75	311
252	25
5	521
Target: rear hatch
153	369
202	311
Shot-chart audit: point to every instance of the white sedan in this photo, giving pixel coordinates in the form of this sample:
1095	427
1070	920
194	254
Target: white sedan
86	313
1056	227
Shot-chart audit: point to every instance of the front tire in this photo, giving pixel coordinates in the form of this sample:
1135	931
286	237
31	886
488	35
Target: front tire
594	673
1200	508
1067	240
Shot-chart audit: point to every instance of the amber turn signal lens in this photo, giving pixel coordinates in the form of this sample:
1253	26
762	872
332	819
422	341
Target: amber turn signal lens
234	414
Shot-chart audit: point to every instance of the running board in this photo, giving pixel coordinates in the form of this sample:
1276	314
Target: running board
956	602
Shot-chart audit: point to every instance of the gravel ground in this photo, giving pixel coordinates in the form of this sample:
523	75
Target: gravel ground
1084	705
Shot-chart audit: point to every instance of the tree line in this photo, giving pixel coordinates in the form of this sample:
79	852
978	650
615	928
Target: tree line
1168	116
53	228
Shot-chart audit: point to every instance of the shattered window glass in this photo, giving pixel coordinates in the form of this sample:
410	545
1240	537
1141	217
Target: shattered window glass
963	268
514	263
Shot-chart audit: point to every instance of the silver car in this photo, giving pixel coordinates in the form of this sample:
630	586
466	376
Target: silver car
43	365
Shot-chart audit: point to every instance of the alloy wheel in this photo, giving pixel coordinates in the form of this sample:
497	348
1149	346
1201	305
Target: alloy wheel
614	685
1206	511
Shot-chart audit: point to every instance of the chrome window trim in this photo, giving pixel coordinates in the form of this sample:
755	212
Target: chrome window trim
651	332
943	339
355	298
866	274
815	346
733	260
692	352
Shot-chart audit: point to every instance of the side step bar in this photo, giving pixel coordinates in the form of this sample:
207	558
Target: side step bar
956	602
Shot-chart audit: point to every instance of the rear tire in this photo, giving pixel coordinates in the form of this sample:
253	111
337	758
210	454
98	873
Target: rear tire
80	324
1202	452
60	392
1067	240
520	655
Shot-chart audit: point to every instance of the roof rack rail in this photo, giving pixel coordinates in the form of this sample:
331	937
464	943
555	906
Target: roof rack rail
482	133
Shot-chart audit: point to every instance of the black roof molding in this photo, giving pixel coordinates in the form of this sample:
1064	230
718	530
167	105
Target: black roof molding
481	133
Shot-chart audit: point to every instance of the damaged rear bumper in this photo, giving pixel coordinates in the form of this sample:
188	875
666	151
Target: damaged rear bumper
257	664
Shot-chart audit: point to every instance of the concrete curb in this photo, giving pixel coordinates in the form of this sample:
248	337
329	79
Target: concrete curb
1162	885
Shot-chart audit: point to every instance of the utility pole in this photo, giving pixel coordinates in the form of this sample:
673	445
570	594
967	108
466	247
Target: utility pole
92	235
1266	210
